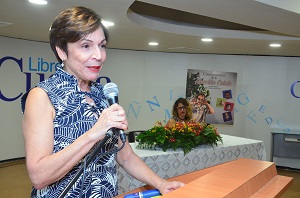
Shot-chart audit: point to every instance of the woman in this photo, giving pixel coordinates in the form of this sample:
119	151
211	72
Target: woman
201	107
181	112
66	116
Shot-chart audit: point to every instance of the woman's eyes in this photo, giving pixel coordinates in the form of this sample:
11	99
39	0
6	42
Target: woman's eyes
86	46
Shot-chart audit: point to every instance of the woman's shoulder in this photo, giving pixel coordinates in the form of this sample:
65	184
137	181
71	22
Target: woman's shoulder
170	122
35	94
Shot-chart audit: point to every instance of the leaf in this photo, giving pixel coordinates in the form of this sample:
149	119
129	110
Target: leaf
185	136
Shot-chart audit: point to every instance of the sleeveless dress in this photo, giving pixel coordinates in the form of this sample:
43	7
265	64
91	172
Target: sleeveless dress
74	116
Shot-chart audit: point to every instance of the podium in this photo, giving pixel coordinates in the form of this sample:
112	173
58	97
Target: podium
239	178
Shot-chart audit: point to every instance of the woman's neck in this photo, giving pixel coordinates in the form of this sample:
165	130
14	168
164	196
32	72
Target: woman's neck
181	117
84	86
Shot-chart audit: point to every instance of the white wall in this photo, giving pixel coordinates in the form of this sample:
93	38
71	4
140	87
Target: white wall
150	82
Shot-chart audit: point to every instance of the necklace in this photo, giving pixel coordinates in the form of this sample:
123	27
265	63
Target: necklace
179	119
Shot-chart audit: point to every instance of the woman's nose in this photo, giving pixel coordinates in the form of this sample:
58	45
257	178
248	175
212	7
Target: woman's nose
99	53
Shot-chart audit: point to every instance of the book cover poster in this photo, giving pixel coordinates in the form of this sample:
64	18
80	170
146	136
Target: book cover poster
211	95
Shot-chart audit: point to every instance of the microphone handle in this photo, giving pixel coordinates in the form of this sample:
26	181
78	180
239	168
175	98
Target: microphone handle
122	135
113	100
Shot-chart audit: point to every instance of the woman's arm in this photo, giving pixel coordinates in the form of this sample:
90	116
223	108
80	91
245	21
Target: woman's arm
43	166
137	168
210	108
170	122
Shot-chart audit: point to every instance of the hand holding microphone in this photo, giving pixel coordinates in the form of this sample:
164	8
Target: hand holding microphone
111	92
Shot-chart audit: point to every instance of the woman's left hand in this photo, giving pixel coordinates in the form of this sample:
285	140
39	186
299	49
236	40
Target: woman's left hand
167	186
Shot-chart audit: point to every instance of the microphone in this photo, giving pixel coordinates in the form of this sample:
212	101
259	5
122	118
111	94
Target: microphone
144	194
111	92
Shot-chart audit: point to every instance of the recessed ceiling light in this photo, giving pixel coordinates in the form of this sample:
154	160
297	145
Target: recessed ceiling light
153	43
206	39
41	2
275	45
107	24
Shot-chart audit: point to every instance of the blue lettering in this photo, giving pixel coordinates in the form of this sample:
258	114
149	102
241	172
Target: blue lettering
103	77
28	79
292	89
167	115
42	66
19	62
262	108
30	65
53	66
153	103
171	94
251	116
243	99
281	124
269	120
135	113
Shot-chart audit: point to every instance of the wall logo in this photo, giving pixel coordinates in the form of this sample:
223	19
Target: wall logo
293	89
39	67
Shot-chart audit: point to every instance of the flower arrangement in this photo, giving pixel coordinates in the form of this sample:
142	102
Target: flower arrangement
180	135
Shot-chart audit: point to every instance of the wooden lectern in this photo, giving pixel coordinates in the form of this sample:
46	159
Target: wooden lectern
236	179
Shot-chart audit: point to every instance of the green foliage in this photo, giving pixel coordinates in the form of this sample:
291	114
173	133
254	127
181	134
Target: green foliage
185	136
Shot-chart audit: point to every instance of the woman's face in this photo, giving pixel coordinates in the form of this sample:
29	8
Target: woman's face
228	107
86	57
200	99
181	110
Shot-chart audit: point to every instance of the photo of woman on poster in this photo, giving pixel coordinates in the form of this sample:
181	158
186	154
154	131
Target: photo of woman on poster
218	90
201	107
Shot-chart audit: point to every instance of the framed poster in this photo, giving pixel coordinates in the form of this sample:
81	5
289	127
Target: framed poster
211	95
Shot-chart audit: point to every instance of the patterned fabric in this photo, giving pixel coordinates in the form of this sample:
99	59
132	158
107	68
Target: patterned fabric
177	119
199	113
74	116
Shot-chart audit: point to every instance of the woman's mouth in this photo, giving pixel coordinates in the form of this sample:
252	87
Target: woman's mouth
94	68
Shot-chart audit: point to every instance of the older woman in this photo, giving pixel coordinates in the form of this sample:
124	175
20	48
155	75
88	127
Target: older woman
67	115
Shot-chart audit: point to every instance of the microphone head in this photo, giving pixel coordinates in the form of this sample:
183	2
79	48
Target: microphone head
111	92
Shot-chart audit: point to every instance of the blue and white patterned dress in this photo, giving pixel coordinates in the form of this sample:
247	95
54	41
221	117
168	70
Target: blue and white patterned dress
74	116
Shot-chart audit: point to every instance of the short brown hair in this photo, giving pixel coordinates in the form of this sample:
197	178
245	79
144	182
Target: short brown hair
71	25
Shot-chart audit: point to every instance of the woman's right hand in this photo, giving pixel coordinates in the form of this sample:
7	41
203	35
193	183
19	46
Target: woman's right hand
111	117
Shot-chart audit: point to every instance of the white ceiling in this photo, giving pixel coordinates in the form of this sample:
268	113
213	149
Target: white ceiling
237	26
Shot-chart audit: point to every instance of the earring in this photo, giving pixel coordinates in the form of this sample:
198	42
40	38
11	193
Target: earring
62	64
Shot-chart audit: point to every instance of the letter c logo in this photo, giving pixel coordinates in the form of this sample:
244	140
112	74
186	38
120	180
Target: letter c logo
19	62
292	89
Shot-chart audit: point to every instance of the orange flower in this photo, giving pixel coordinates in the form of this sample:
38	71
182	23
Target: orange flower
180	135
